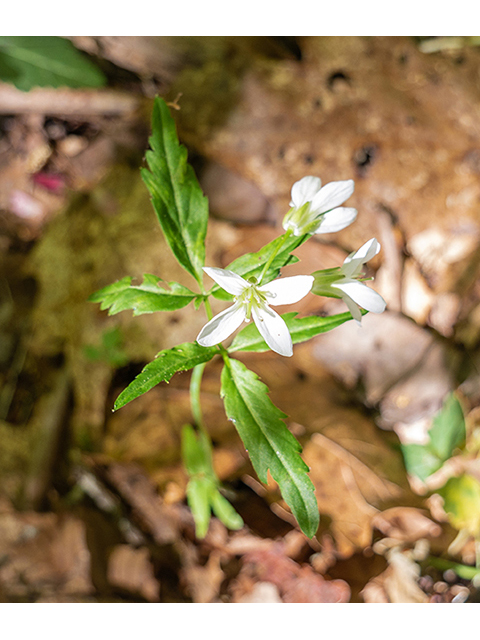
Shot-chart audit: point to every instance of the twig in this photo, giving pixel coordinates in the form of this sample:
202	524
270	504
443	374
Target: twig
67	102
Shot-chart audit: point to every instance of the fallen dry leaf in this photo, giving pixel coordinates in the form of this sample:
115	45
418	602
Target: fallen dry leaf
202	580
131	570
397	584
405	524
43	553
160	520
262	593
295	583
346	490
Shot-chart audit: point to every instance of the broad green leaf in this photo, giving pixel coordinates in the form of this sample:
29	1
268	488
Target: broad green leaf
203	492
269	443
447	434
251	264
181	358
462	503
301	329
177	198
46	61
147	297
420	461
448	430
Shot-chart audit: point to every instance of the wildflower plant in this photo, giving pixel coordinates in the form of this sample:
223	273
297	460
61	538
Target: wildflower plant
252	285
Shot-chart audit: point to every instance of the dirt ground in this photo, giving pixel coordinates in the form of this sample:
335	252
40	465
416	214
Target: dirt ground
92	503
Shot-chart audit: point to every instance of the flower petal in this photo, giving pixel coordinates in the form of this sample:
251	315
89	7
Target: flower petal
354	310
362	295
368	250
353	263
332	195
222	326
287	290
273	330
305	190
336	220
231	282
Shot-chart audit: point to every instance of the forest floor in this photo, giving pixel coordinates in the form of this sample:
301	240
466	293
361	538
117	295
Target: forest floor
92	503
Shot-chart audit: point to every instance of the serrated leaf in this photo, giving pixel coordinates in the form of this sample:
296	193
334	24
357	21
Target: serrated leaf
147	297
269	443
181	358
301	329
177	198
251	264
41	61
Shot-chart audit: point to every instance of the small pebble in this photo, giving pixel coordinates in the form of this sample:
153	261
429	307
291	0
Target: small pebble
459	593
437	598
440	587
72	145
450	576
426	583
55	130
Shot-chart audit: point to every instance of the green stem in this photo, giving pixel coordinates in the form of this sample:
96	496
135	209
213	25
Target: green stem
462	570
281	242
195	404
208	308
196	380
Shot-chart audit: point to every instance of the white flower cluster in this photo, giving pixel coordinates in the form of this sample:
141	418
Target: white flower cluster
314	209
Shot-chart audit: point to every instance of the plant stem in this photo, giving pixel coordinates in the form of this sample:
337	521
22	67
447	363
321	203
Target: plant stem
281	242
208	308
195	383
462	570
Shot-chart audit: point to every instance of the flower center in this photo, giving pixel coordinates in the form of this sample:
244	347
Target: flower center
251	297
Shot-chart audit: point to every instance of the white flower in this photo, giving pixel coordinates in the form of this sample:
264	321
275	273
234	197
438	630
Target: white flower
315	209
253	300
345	282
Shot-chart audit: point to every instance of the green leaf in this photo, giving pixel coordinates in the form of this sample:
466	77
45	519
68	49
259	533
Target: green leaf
198	498
147	297
301	329
448	430
269	443
177	198
181	358
203	493
251	264
446	434
462	503
46	61
196	452
224	511
420	461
